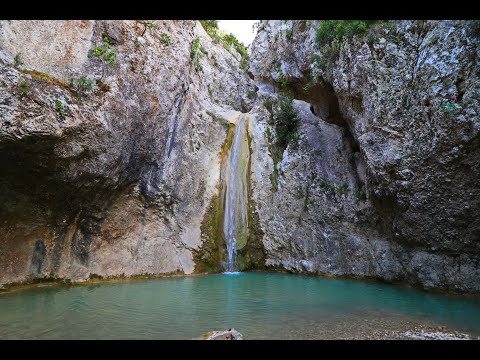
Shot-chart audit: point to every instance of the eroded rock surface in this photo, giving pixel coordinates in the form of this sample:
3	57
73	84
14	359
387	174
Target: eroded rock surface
115	180
384	183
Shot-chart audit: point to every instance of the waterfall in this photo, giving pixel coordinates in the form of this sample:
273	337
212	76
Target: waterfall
235	193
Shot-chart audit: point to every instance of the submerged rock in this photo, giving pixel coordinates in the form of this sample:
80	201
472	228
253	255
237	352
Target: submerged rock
230	334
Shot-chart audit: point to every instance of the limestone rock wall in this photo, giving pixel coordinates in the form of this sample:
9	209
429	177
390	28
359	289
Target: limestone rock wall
114	180
384	183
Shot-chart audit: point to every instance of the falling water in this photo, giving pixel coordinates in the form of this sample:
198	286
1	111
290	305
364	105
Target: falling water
234	193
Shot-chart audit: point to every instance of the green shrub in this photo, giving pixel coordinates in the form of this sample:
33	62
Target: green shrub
288	34
328	38
282	80
450	107
286	121
195	53
148	25
104	53
194	48
23	86
330	30
343	189
328	187
17	60
251	94
269	134
60	109
360	195
165	39
210	26
82	84
244	63
268	104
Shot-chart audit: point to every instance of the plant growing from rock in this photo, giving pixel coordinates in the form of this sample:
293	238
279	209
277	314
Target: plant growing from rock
228	40
328	38
288	34
451	106
286	121
165	40
104	54
82	84
60	109
23	86
210	26
148	25
282	80
195	53
17	60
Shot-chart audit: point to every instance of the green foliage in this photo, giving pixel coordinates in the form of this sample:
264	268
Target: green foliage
288	34
195	53
148	25
228	40
330	30
165	39
17	60
294	140
269	134
328	187
286	121
331	189
194	48
343	189
328	37
450	107
23	86
251	94
268	104
210	26
244	63
60	109
104	53
360	195
274	177
282	80
275	38
82	84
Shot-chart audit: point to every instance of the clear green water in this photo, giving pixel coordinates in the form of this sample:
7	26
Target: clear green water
259	305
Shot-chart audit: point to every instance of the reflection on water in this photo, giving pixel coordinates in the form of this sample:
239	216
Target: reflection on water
260	305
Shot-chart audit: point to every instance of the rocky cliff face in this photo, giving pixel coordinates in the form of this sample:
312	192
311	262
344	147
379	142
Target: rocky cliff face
121	176
384	181
114	179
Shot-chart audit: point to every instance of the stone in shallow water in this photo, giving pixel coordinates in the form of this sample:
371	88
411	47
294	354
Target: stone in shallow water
230	334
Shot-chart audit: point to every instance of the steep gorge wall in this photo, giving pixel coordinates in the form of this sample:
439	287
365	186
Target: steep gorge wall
384	183
115	181
123	179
